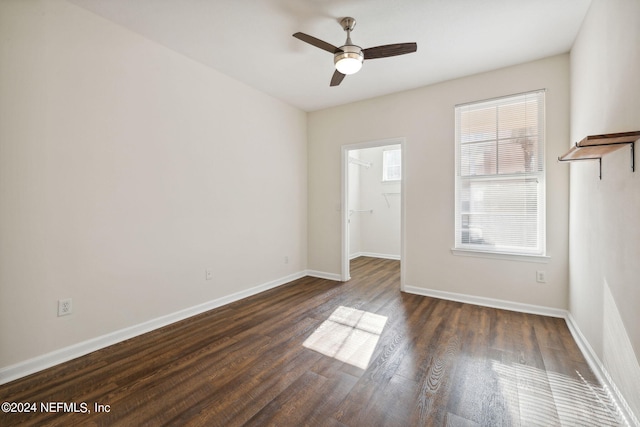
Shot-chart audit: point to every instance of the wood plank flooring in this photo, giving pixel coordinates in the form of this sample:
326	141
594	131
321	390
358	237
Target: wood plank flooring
435	363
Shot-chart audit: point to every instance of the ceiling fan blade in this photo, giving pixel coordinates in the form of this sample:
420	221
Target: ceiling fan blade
389	50
317	42
337	78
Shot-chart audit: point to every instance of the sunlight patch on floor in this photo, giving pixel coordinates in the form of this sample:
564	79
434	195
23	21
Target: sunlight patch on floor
349	335
549	398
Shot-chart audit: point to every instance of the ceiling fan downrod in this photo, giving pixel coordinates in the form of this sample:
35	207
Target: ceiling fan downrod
348	24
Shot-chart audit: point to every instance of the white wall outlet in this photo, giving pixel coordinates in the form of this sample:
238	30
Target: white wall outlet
541	276
64	307
208	274
286	260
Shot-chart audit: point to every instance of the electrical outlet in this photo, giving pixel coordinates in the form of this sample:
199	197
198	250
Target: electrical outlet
541	276
208	274
64	307
286	260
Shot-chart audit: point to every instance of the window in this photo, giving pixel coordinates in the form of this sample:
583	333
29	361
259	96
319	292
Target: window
391	165
500	176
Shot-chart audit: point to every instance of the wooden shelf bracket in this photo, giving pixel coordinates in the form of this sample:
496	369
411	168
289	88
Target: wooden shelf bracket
594	147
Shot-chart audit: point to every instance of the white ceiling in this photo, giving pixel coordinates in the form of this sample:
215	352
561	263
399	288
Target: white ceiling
251	40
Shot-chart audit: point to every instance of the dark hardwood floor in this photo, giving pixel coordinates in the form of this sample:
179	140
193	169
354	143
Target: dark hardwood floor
317	352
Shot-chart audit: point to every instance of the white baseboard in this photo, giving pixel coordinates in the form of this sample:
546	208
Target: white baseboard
590	356
38	363
601	372
488	302
324	275
375	255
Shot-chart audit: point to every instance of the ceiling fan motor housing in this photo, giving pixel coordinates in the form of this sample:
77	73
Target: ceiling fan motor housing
349	59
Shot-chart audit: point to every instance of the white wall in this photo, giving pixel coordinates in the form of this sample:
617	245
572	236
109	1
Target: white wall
378	233
425	117
126	170
605	235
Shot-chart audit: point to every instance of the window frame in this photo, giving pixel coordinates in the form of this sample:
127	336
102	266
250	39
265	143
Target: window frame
522	179
386	166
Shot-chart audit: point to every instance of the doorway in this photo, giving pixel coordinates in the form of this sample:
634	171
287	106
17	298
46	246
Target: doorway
373	201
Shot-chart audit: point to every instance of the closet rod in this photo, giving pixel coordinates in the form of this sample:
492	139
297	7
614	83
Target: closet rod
359	162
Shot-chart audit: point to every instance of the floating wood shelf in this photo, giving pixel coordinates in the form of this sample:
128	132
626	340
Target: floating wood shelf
594	147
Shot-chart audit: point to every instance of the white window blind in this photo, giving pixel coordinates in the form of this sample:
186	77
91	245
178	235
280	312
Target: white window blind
500	175
392	165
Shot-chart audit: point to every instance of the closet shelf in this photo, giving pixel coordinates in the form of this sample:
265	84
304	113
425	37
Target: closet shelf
594	147
356	161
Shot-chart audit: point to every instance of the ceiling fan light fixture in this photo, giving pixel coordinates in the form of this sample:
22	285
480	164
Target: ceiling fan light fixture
349	61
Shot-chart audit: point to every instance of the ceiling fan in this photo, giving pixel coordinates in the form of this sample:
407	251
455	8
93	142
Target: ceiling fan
348	58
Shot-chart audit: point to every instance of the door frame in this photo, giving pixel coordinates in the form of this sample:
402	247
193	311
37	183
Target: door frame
345	274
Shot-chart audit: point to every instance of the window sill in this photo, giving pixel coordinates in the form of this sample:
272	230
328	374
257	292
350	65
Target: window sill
542	259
